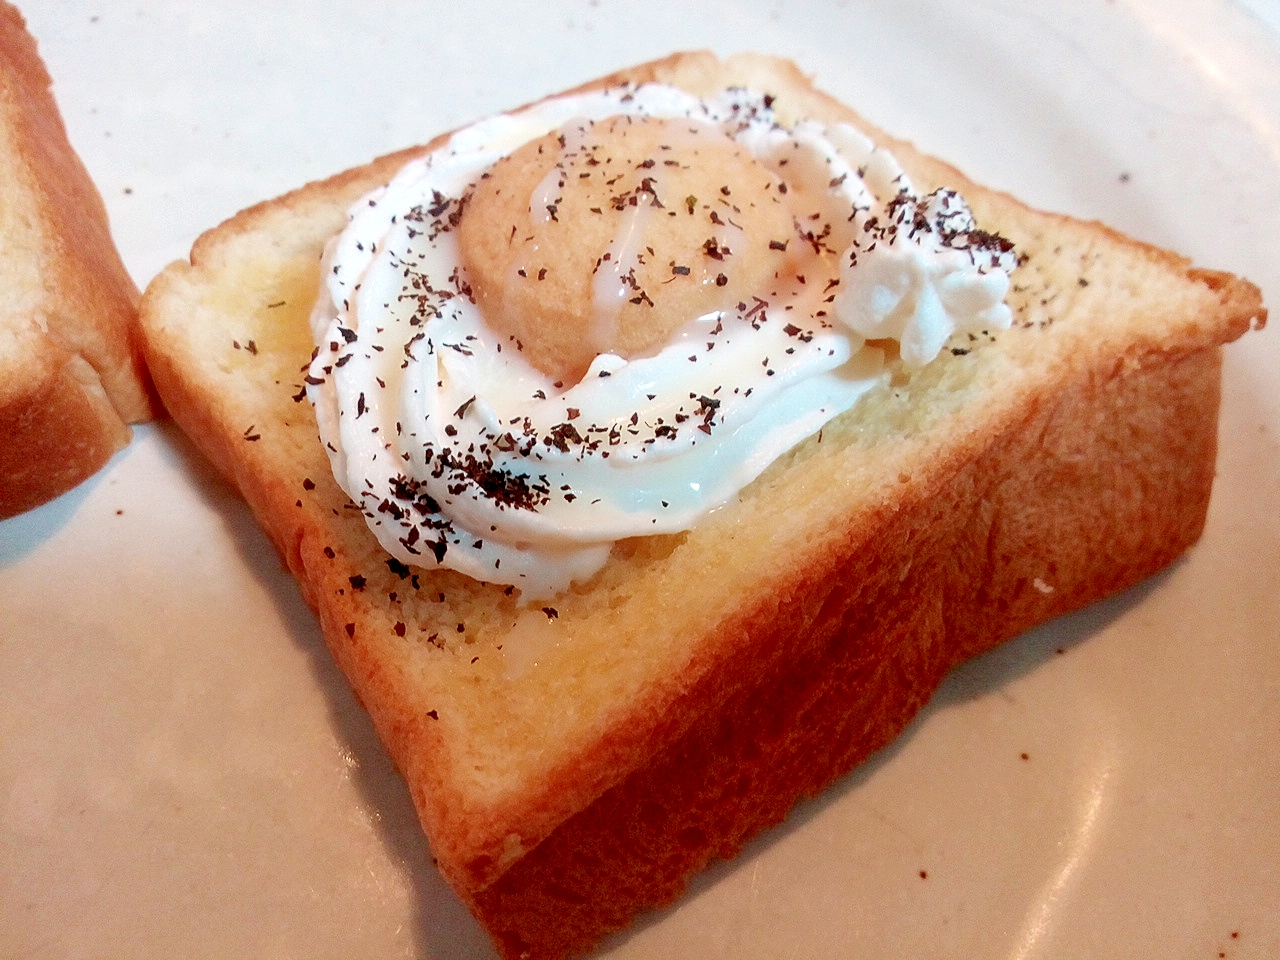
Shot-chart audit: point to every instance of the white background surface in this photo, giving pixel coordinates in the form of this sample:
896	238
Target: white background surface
184	773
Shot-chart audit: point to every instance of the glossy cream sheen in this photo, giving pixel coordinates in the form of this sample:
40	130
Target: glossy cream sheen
461	453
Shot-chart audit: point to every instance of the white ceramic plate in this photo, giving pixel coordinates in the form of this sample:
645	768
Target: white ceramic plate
184	773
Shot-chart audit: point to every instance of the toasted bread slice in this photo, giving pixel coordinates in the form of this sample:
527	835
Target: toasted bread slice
571	772
71	372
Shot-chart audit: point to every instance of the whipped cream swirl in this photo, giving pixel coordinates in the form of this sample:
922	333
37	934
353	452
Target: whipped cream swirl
461	454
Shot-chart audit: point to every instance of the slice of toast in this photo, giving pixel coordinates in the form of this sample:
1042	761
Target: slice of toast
71	371
570	771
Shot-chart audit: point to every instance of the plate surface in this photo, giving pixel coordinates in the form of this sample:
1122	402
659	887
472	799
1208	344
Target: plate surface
183	772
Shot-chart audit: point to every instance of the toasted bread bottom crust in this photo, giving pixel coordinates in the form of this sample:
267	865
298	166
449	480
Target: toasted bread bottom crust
57	434
958	577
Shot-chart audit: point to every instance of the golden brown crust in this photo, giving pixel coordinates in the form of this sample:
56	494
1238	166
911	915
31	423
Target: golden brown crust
1081	461
58	431
67	333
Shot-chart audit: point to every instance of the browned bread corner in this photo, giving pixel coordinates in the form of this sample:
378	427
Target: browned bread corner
707	681
71	373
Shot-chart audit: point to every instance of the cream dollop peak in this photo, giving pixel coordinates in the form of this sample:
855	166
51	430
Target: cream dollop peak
603	316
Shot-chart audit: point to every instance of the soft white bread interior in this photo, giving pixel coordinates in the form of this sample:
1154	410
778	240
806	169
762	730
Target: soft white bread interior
71	372
574	770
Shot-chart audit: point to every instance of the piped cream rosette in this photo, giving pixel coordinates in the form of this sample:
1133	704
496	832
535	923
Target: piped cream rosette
463	453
